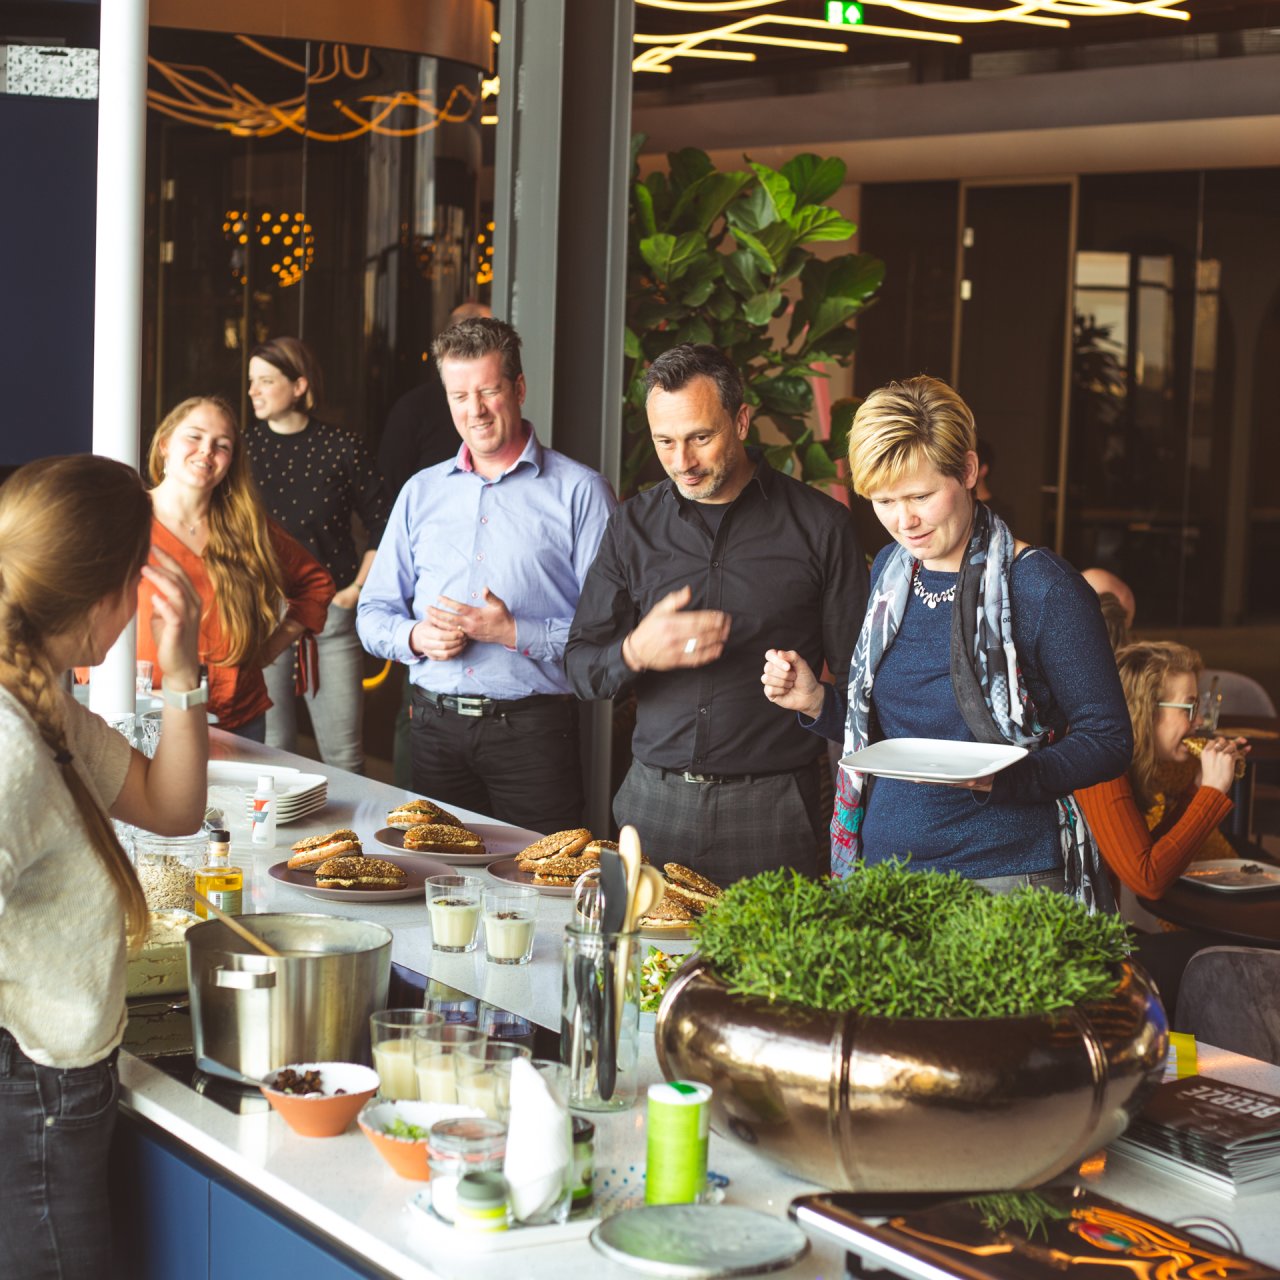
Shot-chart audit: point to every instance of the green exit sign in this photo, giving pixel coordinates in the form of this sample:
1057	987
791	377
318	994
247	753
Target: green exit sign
844	13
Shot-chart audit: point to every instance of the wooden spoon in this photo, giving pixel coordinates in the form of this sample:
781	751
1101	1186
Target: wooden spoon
237	928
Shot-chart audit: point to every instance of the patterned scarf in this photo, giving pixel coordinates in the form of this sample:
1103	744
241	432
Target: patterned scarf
987	685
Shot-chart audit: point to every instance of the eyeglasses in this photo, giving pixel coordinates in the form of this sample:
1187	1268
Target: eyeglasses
1188	707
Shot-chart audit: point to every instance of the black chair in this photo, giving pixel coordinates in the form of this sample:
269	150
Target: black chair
1228	998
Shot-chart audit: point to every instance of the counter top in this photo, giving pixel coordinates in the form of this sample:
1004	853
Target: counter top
341	1186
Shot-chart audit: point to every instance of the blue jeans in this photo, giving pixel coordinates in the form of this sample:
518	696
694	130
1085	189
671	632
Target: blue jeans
336	708
55	1134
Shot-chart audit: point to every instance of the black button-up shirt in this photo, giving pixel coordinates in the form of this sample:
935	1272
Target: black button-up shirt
784	564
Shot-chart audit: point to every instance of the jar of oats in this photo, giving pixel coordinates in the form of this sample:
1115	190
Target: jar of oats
166	867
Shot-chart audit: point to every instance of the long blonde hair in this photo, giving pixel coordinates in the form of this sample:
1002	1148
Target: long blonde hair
1144	668
73	531
248	587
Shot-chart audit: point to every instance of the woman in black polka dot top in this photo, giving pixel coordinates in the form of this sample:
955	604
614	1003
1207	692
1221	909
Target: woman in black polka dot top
313	477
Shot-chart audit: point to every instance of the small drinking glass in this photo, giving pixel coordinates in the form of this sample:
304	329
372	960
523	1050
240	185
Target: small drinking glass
500	1024
391	1032
547	1196
454	906
433	1050
510	919
142	677
1210	710
482	1075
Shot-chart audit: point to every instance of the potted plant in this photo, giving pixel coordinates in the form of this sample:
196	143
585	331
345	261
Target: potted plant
901	1031
722	257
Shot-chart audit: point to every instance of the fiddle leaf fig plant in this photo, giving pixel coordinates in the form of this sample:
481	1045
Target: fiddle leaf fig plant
723	258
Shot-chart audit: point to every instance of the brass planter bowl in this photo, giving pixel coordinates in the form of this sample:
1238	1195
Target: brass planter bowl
928	1104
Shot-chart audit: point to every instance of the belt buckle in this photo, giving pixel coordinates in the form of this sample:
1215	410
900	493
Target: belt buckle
470	706
699	777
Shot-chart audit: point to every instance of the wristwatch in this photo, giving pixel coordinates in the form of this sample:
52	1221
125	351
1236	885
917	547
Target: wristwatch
185	701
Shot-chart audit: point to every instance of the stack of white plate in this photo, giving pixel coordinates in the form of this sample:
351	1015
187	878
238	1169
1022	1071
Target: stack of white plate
297	794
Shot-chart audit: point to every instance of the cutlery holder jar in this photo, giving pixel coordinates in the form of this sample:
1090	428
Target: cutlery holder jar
601	970
252	1013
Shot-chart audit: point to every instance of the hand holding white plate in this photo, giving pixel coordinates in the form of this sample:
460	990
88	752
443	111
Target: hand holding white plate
933	760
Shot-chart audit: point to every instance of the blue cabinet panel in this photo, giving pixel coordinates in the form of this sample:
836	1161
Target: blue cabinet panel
246	1243
160	1205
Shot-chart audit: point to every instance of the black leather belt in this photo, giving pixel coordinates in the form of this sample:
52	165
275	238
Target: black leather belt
718	778
463	704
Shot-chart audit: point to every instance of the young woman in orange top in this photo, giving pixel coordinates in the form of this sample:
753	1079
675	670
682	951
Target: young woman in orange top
260	590
1159	680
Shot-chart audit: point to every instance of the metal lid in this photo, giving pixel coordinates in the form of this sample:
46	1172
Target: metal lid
699	1241
482	1188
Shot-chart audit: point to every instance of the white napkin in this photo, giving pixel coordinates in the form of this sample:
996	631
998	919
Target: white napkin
539	1142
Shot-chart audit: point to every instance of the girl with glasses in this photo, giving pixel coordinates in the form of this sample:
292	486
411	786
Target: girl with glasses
1164	812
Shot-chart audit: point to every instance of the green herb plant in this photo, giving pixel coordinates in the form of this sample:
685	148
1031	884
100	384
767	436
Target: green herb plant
891	942
1031	1212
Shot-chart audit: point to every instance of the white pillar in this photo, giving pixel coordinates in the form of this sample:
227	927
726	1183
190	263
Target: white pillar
117	318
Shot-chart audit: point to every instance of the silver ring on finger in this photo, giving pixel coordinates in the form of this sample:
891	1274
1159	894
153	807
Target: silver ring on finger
691	644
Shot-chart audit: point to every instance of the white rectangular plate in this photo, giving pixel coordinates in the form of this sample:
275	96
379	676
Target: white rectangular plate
1229	875
932	759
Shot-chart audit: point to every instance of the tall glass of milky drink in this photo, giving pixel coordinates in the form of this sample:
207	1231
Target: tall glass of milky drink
453	903
482	1075
391	1033
433	1052
510	915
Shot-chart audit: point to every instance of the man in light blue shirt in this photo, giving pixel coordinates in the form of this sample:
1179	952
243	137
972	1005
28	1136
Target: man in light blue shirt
474	587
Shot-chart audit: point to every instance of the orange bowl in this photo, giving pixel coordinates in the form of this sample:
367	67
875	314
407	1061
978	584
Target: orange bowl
347	1087
407	1156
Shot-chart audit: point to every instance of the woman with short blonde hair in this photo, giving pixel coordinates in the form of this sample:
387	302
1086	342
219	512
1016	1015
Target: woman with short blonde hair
75	534
906	425
260	590
970	636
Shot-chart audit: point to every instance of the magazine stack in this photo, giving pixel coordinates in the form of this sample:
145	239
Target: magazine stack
1223	1137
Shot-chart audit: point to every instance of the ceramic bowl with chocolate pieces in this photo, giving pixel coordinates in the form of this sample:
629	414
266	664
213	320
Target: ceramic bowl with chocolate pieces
320	1099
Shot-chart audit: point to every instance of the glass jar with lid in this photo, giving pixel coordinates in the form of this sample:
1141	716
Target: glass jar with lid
166	867
456	1147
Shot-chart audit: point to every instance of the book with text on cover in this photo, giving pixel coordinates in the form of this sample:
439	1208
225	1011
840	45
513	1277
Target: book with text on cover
1224	1137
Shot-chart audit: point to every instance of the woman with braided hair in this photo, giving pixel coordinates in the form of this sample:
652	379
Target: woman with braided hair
75	534
261	590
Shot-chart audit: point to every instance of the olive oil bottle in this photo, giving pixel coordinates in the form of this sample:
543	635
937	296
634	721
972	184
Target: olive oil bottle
218	880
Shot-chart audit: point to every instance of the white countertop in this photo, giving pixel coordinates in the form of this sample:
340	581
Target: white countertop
342	1187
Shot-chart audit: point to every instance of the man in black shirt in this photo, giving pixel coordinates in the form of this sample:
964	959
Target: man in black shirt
694	580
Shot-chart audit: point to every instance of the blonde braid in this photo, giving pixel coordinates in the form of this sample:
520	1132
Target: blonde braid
73	530
28	678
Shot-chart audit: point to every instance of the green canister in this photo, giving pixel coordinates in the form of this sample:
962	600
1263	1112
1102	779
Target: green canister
482	1202
677	1128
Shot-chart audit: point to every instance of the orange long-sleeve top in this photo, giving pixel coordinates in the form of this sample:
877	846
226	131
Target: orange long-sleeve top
237	694
1150	861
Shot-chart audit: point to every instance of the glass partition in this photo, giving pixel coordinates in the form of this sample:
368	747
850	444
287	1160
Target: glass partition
308	188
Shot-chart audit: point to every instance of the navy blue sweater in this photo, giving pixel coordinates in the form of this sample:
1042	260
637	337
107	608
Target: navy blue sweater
1069	672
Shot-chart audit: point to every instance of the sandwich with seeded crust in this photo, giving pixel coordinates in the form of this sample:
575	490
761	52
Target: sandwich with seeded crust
437	837
359	873
559	844
692	891
310	853
418	812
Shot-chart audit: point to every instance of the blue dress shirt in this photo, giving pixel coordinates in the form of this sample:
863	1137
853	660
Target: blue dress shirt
529	536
